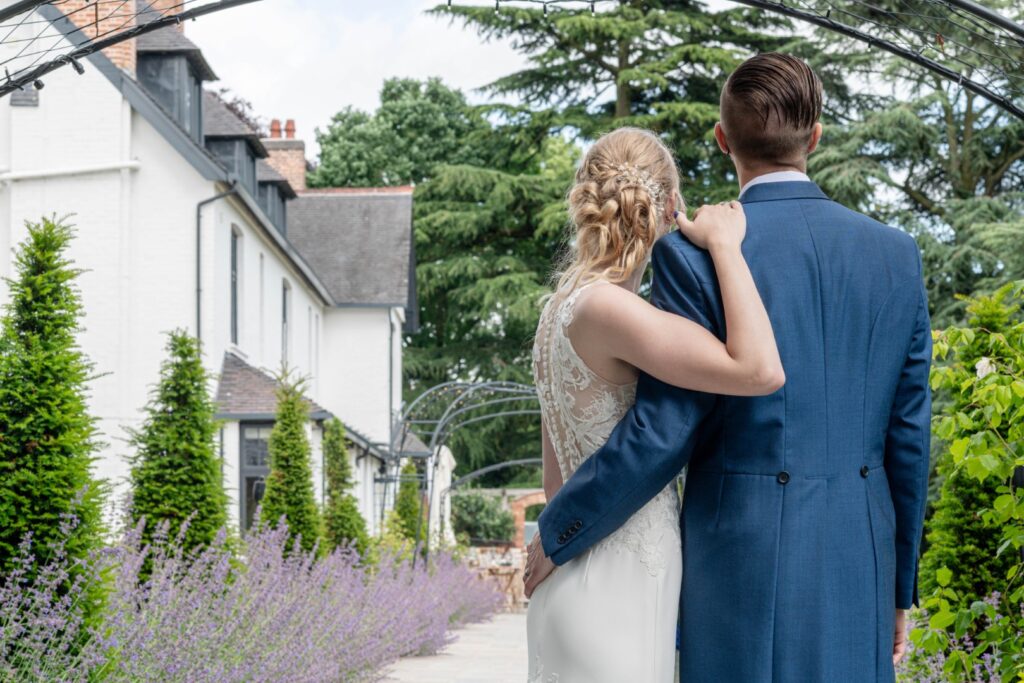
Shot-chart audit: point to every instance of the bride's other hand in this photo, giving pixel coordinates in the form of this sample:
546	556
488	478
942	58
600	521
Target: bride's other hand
538	566
715	226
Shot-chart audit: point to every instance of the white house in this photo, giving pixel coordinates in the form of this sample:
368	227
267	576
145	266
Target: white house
186	218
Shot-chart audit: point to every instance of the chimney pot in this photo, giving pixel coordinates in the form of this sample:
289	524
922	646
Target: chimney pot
275	128
289	129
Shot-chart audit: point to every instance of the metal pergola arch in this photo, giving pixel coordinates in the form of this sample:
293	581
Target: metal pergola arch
980	15
440	411
917	58
30	76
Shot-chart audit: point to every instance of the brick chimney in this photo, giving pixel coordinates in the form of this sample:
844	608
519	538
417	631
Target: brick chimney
96	18
287	154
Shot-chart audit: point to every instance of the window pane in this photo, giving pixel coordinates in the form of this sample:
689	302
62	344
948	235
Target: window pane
255	447
255	487
159	75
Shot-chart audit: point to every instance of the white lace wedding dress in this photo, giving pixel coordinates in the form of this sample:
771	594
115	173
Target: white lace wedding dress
609	615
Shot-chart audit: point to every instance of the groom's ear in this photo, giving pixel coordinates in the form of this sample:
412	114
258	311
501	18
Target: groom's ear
815	138
723	144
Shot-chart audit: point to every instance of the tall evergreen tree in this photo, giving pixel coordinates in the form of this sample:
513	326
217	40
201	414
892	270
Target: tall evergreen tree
289	493
176	471
408	504
659	65
47	437
343	523
488	220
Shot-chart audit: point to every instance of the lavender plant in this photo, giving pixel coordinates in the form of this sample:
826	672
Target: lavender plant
273	613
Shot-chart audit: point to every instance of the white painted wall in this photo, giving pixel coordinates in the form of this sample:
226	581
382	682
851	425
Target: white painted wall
357	365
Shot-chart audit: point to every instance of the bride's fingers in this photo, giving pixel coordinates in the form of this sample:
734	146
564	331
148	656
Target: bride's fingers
682	221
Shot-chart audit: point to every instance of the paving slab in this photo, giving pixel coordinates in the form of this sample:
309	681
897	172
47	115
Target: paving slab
491	652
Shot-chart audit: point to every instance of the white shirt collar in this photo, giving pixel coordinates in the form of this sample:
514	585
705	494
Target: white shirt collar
775	177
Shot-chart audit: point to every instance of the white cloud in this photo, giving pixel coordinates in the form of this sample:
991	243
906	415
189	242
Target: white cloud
307	59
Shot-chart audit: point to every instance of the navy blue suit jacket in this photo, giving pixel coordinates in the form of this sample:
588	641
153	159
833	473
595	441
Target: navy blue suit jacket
803	510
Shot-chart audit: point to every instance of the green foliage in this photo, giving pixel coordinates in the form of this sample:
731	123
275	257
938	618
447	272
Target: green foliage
289	493
408	504
176	471
958	534
47	437
959	538
481	518
343	523
983	369
932	158
418	125
651	64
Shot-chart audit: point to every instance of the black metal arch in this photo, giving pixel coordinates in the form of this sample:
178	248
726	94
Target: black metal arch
439	412
979	14
826	21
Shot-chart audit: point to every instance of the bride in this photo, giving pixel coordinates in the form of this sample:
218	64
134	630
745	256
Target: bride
609	616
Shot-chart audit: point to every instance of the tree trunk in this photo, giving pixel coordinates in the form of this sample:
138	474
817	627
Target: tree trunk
623	94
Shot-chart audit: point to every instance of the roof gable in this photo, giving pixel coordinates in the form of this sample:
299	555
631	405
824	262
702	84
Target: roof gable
247	392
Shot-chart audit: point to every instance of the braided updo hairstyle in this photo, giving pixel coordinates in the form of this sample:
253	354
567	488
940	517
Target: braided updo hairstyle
617	206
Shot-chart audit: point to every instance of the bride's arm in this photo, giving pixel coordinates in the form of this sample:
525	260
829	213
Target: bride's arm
613	322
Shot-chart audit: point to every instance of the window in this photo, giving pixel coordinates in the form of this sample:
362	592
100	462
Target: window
172	82
316	351
237	157
286	295
254	469
273	204
263	304
236	240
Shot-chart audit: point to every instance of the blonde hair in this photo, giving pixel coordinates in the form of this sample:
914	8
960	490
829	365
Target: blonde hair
617	206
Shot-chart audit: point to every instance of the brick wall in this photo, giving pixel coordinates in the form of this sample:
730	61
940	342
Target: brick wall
97	18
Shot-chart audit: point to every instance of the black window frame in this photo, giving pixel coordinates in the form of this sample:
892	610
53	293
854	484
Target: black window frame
247	471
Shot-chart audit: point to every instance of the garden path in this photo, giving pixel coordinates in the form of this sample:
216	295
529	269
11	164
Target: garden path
492	652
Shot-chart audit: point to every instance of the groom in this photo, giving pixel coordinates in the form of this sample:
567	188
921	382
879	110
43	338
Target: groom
803	510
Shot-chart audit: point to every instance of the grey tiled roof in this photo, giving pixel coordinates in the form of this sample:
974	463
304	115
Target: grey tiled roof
265	173
220	122
170	39
243	390
359	243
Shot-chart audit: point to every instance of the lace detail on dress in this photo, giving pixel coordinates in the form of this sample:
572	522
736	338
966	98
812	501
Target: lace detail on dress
580	410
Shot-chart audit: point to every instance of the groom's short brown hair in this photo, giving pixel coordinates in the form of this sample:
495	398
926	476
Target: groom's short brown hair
769	107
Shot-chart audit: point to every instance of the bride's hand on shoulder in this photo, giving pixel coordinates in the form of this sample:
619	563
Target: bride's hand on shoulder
715	226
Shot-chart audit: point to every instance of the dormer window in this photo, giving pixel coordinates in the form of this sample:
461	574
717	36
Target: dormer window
230	139
274	192
172	70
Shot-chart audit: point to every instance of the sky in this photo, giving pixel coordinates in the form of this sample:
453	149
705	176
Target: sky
307	59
